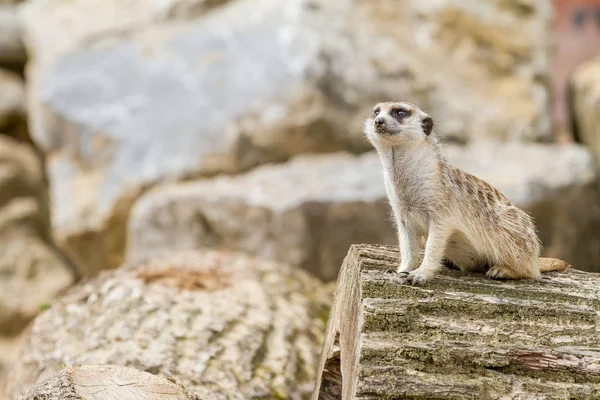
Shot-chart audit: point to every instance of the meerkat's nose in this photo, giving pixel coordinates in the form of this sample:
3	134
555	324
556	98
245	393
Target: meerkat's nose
379	121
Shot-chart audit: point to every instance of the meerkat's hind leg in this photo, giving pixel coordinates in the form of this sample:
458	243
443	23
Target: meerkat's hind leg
501	273
450	264
462	256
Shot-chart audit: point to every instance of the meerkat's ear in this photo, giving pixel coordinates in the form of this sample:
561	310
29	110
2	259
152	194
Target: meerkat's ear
427	125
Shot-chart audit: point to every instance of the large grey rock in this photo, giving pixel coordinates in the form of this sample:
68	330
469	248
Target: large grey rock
123	98
220	94
12	52
585	86
309	211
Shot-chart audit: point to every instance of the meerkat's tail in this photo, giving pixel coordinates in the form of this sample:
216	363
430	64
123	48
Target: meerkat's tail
553	264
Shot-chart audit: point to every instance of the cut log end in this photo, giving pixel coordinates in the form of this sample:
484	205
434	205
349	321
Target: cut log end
106	382
460	336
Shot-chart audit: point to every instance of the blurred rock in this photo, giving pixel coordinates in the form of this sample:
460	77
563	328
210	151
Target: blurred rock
171	102
9	346
106	382
13	115
122	98
585	98
224	325
480	68
308	212
56	27
12	52
32	271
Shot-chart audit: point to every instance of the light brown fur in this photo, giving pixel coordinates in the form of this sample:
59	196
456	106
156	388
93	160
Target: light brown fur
442	212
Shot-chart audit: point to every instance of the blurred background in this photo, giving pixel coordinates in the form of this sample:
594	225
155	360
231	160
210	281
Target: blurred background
131	126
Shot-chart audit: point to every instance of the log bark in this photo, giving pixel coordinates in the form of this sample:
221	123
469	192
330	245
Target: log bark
460	336
106	382
225	325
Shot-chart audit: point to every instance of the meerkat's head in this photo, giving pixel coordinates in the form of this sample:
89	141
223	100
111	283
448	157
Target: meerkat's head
401	122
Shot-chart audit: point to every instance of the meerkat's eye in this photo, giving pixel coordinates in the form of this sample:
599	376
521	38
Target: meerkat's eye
401	114
376	112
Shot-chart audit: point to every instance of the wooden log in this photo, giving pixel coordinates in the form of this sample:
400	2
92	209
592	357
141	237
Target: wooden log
460	336
225	325
106	382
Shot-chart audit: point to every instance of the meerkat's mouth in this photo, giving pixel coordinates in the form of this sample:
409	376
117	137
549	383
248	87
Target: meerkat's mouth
385	132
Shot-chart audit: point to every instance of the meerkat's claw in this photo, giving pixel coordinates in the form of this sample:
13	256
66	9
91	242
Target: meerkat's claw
390	271
416	278
498	273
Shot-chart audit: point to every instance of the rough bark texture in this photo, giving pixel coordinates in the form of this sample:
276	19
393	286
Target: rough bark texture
226	326
106	382
460	336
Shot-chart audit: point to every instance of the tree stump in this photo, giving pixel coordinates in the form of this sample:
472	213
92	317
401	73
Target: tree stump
459	336
106	382
225	325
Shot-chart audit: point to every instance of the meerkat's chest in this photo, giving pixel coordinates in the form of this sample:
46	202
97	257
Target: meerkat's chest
408	207
409	195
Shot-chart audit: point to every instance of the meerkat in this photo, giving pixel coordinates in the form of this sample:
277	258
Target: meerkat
445	214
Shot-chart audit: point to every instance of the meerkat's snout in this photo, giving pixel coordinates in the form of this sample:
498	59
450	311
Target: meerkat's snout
380	124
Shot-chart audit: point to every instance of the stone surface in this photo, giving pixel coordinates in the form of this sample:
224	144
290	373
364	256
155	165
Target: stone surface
309	211
123	97
12	52
9	346
479	68
13	113
306	213
585	98
106	382
33	272
225	326
460	336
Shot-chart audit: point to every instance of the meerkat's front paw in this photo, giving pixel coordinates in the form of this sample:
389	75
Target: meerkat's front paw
418	277
404	269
